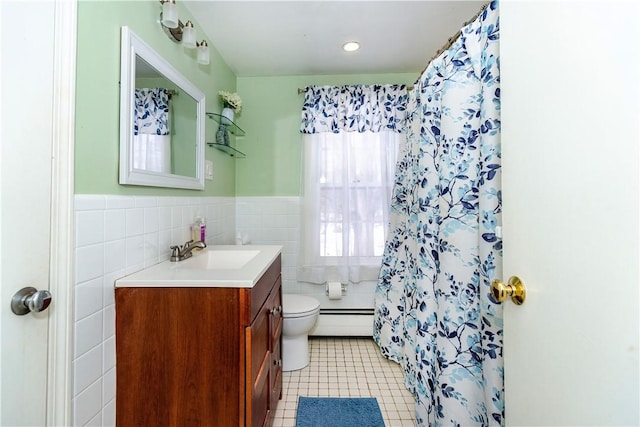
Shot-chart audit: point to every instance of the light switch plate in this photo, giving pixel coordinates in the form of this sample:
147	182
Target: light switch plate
208	170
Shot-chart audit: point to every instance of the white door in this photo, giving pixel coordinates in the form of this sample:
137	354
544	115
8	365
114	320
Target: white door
570	78
35	346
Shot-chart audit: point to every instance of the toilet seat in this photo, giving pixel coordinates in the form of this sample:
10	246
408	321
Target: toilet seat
299	306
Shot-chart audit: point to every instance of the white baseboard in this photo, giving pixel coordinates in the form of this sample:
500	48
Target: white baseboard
343	325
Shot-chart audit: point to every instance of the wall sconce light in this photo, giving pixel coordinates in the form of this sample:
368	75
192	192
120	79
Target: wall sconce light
169	15
182	33
189	36
203	52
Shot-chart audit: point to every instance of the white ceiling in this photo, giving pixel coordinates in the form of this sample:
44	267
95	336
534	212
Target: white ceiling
304	37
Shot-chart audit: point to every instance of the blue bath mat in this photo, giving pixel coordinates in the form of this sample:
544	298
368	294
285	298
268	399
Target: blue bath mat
338	412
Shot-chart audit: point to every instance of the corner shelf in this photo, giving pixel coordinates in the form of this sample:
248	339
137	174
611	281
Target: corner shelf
231	126
227	149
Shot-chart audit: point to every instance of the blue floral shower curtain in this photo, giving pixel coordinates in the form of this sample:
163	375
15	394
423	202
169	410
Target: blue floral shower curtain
433	312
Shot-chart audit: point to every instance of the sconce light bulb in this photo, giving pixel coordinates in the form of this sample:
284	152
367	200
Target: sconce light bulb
189	35
203	53
169	14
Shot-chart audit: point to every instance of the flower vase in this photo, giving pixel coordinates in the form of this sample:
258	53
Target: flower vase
228	114
222	136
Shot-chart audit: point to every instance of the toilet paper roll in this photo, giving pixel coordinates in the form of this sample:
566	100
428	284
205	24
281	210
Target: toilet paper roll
335	290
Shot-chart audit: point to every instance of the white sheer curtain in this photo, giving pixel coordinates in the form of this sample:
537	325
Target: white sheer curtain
152	152
348	181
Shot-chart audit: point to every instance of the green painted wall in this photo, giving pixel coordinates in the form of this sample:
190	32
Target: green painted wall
271	118
98	94
270	115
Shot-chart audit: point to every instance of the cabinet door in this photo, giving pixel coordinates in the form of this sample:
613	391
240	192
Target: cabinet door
258	369
175	366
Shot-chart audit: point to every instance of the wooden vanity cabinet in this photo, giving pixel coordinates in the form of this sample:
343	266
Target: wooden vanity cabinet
199	356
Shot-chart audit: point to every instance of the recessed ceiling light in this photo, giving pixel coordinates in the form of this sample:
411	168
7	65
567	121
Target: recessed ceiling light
351	46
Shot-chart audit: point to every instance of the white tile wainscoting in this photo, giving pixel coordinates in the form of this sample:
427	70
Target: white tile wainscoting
273	221
276	221
118	235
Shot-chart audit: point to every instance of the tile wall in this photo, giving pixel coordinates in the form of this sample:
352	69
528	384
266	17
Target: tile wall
273	221
276	221
116	236
119	235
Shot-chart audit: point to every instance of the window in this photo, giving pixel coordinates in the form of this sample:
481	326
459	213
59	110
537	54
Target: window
347	192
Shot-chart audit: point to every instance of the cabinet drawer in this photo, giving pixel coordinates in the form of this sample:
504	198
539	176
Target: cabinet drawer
258	368
260	292
258	343
258	410
275	302
276	376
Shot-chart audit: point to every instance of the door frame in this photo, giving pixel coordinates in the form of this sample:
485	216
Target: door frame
62	265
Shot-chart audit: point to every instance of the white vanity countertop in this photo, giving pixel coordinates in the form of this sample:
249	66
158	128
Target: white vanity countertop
222	266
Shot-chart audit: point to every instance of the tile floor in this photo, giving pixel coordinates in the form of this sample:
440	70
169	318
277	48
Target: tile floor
347	367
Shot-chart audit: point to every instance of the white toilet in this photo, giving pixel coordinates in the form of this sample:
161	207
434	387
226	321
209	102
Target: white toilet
299	313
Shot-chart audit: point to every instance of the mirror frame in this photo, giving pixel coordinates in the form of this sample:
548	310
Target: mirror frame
132	46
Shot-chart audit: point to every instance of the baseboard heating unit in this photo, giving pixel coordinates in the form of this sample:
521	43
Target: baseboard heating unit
347	322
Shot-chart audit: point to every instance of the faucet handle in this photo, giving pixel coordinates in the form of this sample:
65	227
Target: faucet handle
175	250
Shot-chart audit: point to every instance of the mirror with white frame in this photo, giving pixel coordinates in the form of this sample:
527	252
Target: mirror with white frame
161	120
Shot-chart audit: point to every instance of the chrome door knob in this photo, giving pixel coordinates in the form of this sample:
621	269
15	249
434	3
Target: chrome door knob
30	299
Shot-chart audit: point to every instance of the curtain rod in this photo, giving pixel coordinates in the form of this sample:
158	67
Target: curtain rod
453	38
301	90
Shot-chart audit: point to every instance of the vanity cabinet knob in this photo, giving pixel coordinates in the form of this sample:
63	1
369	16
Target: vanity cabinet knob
276	310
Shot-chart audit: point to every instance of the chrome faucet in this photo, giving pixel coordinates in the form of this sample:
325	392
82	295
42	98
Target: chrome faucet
179	253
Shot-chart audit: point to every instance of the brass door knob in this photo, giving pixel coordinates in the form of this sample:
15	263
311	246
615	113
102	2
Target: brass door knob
514	288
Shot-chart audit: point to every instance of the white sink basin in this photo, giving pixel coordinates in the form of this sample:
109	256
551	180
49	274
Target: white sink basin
220	259
216	266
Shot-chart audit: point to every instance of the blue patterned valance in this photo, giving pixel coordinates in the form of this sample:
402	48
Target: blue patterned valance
356	108
151	112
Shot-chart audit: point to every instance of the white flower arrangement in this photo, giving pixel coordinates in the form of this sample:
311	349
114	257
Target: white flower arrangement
231	100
